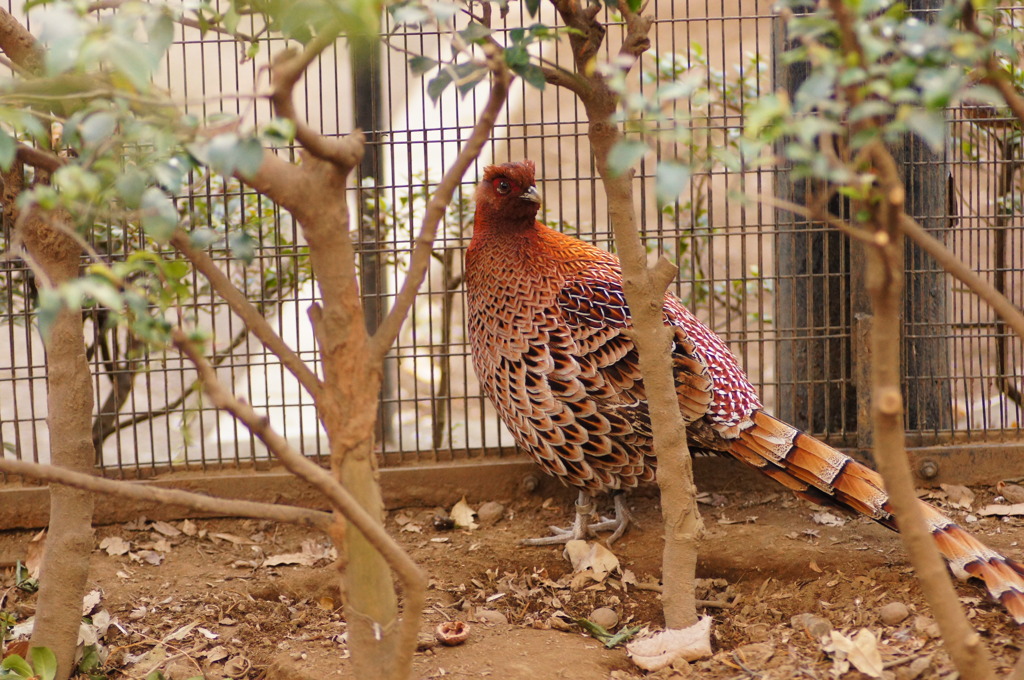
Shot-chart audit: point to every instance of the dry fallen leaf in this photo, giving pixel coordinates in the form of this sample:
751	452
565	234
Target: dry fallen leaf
591	556
464	516
305	559
657	651
115	545
189	528
166	529
34	554
958	496
827	519
862	652
91	601
1001	510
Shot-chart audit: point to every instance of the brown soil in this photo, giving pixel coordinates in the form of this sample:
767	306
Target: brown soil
763	552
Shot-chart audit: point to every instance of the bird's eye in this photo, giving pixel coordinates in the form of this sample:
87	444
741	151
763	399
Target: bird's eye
503	186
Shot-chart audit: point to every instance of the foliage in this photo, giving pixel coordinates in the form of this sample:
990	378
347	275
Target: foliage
908	71
679	113
42	665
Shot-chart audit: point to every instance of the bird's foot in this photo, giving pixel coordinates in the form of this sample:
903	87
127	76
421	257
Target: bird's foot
582	528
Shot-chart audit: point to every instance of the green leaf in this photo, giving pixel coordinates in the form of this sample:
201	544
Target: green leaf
625	154
622	636
437	86
279	130
242	246
930	126
8	150
672	178
516	56
130	185
533	6
203	238
44	661
420	65
155	675
159	217
98	127
248	156
17	665
475	33
532	74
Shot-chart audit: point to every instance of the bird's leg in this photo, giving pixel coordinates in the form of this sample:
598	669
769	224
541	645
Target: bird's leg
579	530
618	524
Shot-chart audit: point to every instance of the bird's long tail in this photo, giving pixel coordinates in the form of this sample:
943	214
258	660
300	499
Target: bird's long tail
818	472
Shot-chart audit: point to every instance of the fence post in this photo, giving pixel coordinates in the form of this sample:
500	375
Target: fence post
926	354
820	292
368	111
813	352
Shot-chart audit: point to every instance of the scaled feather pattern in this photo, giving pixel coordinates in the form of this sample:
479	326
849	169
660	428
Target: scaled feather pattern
549	331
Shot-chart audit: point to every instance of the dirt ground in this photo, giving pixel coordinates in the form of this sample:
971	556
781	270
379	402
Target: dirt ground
247	599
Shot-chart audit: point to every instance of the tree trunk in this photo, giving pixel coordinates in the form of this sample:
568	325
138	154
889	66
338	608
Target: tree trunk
69	401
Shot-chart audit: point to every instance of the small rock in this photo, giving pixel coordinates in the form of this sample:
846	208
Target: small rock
490	616
893	613
756	654
914	669
604	617
758	632
490	512
1014	493
814	626
927	626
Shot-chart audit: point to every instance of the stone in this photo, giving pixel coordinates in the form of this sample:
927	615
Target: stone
490	512
814	626
893	613
490	616
604	617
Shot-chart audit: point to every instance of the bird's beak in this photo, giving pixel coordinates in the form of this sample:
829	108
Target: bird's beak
532	195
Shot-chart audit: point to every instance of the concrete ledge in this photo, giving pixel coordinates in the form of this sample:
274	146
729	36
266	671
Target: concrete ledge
441	484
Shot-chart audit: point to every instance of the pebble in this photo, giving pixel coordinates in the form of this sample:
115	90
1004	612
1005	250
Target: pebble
927	626
815	626
490	512
490	616
604	617
893	613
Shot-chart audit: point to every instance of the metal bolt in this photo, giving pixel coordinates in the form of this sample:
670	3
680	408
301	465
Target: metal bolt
928	469
529	483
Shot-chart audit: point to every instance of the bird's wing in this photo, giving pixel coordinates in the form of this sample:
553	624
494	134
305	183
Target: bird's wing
593	306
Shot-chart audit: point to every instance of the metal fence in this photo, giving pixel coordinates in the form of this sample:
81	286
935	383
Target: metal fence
781	292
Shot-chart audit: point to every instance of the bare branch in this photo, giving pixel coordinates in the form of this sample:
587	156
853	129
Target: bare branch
37	158
420	260
286	70
952	264
409	573
250	316
147	492
18	44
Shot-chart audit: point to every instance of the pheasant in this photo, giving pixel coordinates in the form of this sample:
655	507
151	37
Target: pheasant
549	332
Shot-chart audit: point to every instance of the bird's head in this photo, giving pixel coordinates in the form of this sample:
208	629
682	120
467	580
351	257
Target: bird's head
507	197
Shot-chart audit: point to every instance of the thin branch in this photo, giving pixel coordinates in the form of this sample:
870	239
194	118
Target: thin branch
251	317
150	493
951	263
419	262
853	232
19	44
286	70
994	75
37	158
409	573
